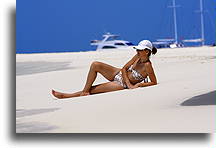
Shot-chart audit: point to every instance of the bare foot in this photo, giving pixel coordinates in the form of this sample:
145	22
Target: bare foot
57	94
84	93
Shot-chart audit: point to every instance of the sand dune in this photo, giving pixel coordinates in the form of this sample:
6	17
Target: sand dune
182	102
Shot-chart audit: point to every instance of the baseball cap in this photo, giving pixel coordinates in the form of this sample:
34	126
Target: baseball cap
143	45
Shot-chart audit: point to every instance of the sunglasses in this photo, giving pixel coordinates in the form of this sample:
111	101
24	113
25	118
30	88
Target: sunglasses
141	50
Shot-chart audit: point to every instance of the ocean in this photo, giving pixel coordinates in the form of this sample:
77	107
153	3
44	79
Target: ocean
30	51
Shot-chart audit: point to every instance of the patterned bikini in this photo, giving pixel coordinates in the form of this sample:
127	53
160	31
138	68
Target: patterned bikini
137	76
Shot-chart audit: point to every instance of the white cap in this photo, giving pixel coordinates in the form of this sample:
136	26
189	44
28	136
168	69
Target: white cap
143	45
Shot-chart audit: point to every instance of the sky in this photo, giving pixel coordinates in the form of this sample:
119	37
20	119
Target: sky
61	25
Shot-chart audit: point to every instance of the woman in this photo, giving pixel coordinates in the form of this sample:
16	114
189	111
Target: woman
130	76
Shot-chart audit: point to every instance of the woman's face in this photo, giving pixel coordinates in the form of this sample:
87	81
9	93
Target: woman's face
142	54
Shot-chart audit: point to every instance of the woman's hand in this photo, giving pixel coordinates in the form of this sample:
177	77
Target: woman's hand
133	86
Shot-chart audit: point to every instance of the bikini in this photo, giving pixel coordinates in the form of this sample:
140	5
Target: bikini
137	76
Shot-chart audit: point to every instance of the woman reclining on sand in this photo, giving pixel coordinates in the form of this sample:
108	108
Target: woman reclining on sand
131	76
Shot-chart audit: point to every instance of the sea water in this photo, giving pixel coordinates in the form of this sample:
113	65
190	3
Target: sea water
29	51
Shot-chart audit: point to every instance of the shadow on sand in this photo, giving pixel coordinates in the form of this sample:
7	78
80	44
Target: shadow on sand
204	99
25	68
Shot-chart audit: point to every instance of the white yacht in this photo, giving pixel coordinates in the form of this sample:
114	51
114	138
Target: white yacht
111	41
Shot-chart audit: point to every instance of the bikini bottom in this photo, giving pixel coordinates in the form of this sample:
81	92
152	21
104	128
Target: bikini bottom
119	79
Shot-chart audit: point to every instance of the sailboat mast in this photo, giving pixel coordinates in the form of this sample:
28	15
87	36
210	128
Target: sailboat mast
202	22
175	20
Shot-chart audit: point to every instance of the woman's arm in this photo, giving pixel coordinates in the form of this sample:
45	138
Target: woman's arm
151	75
124	71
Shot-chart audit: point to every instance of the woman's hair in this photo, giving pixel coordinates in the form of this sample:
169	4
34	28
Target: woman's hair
154	51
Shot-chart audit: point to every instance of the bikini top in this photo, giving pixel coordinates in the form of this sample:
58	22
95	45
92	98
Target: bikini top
135	74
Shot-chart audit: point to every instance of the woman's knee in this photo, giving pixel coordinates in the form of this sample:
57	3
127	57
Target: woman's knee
96	65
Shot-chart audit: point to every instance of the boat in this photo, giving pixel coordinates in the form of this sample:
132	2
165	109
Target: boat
111	41
163	43
202	38
171	42
174	43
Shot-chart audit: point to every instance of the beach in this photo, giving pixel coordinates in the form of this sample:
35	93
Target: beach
183	101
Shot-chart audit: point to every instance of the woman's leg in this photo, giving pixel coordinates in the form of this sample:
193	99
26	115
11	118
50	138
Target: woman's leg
101	88
61	95
106	87
106	70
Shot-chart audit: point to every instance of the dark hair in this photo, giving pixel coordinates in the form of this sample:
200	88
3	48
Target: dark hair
154	51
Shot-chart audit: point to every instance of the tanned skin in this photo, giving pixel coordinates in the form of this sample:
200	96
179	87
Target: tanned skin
140	62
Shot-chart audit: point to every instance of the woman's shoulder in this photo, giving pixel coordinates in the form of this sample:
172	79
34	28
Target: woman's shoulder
148	67
148	63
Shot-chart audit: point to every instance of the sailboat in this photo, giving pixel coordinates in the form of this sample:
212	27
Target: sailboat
173	43
170	43
202	39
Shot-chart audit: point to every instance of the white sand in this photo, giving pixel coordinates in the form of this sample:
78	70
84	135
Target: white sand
182	74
